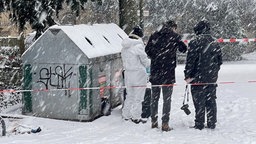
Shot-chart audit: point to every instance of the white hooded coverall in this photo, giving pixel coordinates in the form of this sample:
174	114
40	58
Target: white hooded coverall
135	62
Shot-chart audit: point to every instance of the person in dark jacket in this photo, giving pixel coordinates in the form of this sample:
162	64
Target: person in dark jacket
161	49
203	63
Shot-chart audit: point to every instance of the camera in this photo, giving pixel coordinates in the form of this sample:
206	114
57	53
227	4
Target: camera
185	109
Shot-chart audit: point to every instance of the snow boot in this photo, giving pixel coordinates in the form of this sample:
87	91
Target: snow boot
154	125
165	127
136	121
199	127
144	120
211	126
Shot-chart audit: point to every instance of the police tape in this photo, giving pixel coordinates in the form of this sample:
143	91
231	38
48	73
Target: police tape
231	40
121	87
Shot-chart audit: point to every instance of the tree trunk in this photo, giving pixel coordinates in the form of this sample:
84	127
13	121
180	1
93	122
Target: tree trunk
128	14
141	16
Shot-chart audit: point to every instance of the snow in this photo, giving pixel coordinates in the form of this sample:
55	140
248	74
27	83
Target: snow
236	118
95	40
212	6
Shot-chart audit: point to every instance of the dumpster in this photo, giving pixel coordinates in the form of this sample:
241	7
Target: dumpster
73	72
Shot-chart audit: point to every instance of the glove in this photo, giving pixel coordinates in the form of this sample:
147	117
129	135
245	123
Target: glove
148	70
189	80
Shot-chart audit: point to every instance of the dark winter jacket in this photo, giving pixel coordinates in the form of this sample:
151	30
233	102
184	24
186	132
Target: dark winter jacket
161	49
203	59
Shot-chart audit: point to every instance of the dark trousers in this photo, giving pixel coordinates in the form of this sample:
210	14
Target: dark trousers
204	98
146	104
167	93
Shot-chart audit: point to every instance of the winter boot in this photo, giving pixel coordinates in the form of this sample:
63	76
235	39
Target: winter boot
165	127
143	120
136	121
199	127
154	125
211	125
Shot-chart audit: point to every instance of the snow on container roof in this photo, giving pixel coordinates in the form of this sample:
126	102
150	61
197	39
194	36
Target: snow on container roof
95	40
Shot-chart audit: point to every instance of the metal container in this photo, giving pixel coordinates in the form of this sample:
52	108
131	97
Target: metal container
70	70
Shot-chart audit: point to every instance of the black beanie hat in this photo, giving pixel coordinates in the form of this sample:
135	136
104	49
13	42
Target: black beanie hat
202	27
137	30
171	24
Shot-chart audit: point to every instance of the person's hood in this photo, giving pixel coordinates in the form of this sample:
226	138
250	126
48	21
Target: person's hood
203	27
128	42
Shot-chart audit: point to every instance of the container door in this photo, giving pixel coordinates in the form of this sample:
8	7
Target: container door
83	93
57	95
27	85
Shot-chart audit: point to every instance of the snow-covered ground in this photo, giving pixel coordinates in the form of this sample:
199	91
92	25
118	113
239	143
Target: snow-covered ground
236	118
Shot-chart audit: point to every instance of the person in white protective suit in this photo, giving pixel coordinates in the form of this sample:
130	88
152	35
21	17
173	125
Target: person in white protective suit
135	62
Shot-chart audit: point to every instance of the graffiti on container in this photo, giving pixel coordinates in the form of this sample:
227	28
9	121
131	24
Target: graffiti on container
58	77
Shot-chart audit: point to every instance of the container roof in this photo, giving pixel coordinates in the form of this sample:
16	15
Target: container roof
94	40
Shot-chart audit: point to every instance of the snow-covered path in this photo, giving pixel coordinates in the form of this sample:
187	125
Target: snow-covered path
236	119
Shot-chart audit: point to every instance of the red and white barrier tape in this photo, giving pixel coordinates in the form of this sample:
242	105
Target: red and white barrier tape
231	40
114	87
